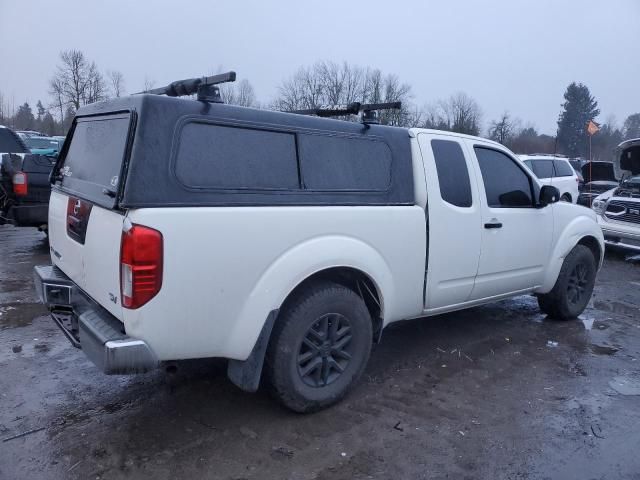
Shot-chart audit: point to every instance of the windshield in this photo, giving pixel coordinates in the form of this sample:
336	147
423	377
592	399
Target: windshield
10	142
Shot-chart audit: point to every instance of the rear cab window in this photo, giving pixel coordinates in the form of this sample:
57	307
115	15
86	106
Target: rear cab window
453	174
92	164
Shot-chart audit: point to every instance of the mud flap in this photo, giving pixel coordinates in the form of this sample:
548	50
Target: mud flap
246	374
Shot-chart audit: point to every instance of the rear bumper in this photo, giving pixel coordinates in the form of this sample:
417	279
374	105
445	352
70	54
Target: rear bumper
27	215
90	327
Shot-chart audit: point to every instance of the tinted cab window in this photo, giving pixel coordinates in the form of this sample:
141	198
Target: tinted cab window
505	182
453	175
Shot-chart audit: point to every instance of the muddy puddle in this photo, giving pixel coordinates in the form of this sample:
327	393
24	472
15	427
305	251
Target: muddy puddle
14	315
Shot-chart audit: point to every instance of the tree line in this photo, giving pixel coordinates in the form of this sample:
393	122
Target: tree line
78	81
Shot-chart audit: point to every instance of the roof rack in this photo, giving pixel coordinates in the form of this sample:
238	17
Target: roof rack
205	87
369	110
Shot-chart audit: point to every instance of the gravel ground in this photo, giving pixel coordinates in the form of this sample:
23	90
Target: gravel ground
493	392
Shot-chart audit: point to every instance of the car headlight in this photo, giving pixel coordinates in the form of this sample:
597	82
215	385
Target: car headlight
599	206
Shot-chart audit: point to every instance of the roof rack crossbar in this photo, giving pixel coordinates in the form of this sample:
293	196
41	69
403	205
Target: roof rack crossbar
369	110
205	87
331	110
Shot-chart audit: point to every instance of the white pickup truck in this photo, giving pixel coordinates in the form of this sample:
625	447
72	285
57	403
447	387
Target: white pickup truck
286	243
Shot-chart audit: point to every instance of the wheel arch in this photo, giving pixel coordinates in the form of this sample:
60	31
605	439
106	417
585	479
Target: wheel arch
344	259
356	280
580	230
347	261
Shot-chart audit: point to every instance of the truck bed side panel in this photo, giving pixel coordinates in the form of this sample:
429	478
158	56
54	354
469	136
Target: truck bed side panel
225	269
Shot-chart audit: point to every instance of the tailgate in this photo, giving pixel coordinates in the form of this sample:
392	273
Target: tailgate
85	224
87	247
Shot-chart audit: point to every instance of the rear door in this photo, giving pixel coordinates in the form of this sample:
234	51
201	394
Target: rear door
516	236
454	217
85	226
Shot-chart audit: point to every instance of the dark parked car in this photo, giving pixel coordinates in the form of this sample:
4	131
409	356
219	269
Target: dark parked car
24	182
599	177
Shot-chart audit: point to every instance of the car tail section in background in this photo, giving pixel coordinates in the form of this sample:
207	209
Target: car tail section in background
24	182
618	209
557	171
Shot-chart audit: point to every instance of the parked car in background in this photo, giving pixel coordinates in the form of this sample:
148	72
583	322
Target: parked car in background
60	139
557	171
289	241
577	163
599	177
29	133
24	182
43	145
618	209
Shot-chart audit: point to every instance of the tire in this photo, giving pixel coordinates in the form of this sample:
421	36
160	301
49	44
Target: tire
565	198
574	286
324	329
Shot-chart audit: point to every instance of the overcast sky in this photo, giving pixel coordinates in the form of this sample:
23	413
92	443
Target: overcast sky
514	55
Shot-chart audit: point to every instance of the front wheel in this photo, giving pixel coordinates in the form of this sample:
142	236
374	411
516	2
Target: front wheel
574	286
319	347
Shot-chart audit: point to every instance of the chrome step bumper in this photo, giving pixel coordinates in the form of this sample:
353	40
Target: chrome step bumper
89	326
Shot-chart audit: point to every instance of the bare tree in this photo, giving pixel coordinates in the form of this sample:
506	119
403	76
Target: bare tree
3	111
503	129
56	92
77	81
116	81
240	93
462	113
96	89
330	83
148	84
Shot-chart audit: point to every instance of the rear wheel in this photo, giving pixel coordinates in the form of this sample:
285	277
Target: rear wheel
565	198
319	347
574	286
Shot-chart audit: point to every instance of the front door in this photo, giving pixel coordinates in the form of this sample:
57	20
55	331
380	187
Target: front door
516	236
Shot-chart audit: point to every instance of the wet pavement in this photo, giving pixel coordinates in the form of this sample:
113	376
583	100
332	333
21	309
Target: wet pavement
493	392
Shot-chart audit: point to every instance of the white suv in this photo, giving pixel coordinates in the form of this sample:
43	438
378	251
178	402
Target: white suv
556	171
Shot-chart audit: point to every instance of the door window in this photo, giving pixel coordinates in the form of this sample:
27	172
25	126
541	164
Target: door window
505	182
453	175
563	168
543	168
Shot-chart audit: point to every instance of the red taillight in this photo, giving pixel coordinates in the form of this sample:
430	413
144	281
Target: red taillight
20	184
140	265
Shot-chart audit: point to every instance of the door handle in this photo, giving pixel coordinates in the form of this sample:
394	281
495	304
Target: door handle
493	225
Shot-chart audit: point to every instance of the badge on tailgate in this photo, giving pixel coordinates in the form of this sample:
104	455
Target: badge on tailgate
78	212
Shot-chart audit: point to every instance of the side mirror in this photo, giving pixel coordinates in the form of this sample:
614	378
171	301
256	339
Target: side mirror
548	195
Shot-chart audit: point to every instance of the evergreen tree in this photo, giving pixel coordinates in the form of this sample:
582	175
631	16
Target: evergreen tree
48	124
24	119
632	126
41	110
579	107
